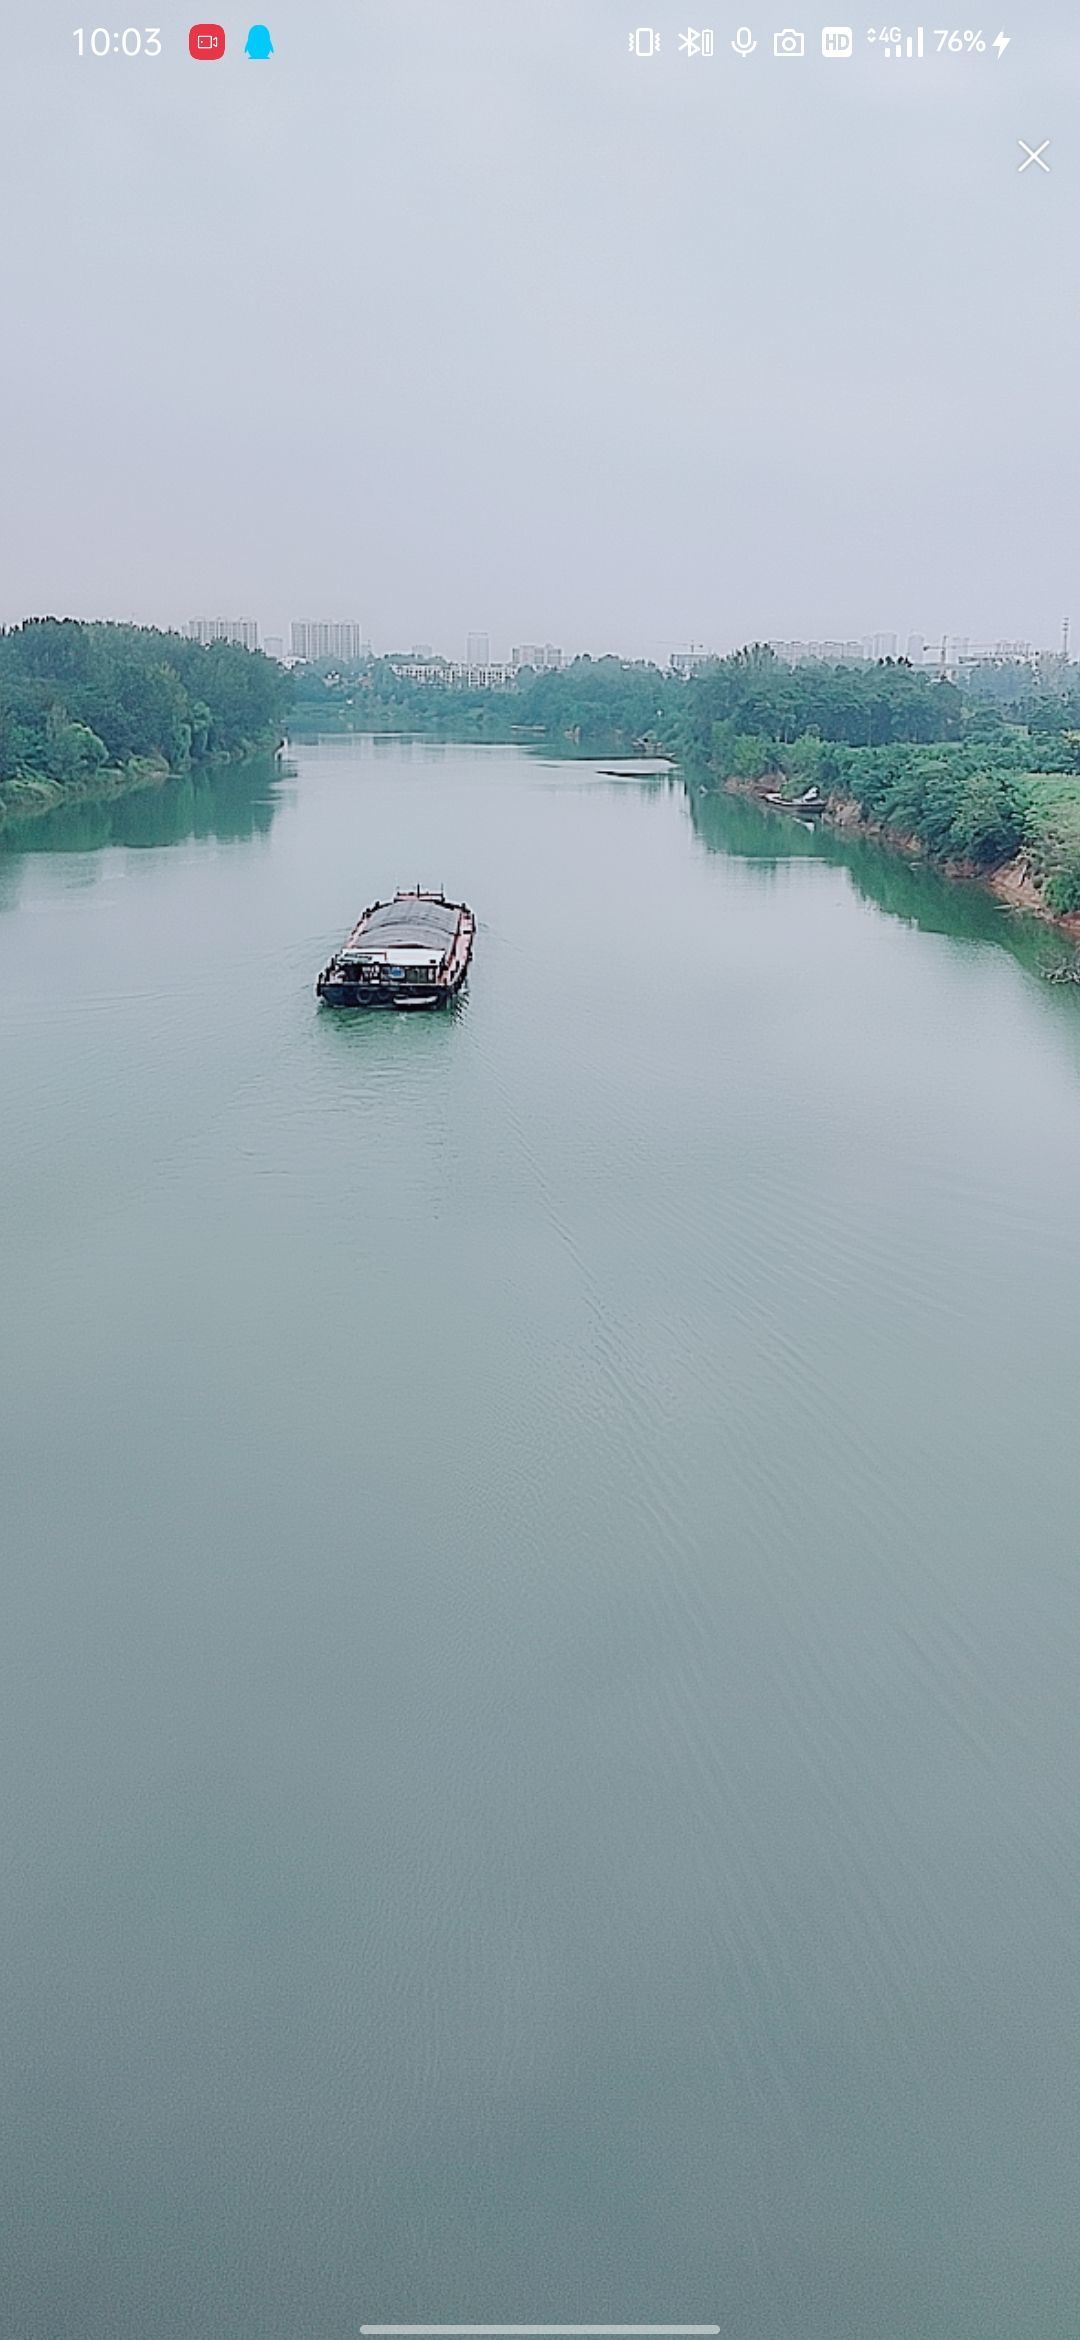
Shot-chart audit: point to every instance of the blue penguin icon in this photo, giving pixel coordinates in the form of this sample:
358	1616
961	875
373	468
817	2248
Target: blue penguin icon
258	43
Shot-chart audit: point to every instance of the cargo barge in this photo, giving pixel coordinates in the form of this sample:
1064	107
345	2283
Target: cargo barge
412	952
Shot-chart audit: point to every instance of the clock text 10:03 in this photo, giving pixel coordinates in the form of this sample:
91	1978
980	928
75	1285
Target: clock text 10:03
131	43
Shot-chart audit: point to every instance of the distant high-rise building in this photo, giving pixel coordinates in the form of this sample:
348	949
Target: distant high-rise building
544	656
449	673
884	645
314	638
241	630
850	653
274	646
478	650
692	661
916	649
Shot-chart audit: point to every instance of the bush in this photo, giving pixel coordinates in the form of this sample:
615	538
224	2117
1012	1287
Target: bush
988	825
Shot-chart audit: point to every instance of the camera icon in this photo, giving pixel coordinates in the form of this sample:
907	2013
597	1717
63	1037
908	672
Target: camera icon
789	43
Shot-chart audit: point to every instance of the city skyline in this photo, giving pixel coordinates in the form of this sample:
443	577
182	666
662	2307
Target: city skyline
300	641
346	640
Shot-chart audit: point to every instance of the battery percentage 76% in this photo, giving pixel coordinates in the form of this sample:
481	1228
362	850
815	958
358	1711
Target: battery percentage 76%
967	44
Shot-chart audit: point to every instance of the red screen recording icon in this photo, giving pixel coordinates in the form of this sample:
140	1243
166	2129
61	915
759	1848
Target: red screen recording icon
207	41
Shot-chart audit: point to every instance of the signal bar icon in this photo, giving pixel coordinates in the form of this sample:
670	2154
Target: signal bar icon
912	46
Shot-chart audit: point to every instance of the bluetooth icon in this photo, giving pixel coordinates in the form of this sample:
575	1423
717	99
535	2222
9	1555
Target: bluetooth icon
696	44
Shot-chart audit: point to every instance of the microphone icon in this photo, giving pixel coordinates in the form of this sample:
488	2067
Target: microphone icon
744	43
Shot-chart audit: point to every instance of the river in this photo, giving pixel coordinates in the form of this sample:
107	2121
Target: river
540	1619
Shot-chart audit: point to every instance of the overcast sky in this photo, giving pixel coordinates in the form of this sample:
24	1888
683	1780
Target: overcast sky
456	317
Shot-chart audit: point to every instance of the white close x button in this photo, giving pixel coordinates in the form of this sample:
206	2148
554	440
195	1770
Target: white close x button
1034	154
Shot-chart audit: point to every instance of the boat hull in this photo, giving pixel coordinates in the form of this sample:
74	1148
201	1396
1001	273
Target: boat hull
363	995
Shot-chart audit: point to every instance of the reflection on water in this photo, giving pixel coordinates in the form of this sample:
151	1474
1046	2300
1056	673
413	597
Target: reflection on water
895	882
232	802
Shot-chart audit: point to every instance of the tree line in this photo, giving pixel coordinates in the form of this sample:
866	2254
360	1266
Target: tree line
619	701
79	699
975	774
592	700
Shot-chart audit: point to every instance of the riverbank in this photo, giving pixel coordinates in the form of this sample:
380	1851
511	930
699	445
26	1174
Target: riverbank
34	798
1017	886
1014	882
